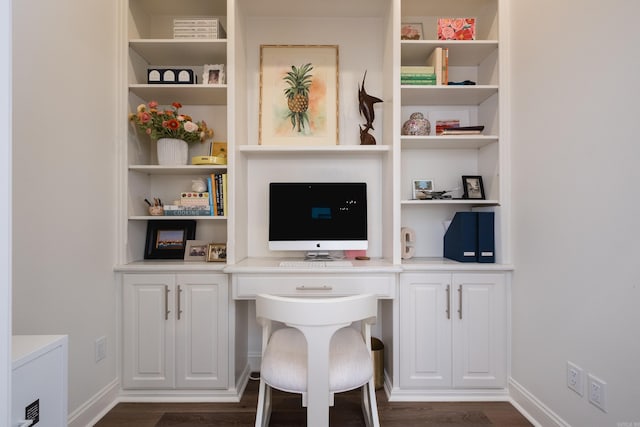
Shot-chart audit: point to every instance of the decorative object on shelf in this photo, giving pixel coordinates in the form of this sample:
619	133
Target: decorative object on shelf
444	119
416	125
166	239
156	210
408	239
462	130
456	28
217	252
300	108
422	189
169	123
213	74
198	185
170	76
206	27
411	31
473	187
172	152
196	250
367	102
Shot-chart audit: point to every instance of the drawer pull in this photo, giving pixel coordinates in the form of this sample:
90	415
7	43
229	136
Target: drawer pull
314	288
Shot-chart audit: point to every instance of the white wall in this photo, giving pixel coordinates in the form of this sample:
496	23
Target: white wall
576	291
5	214
64	179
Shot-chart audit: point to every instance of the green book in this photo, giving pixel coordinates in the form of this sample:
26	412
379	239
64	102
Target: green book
418	82
418	76
426	69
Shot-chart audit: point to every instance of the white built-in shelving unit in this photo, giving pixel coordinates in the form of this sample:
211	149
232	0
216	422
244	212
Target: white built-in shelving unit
367	33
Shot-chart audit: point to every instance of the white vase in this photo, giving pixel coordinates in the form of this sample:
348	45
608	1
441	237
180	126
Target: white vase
172	152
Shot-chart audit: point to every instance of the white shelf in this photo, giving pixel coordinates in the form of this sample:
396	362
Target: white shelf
177	170
334	149
195	94
447	142
175	217
173	52
461	52
466	202
446	95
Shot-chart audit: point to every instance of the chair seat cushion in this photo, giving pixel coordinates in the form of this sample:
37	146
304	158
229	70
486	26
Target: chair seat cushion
284	363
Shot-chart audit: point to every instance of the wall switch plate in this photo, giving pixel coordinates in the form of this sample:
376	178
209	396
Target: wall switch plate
101	348
596	389
575	378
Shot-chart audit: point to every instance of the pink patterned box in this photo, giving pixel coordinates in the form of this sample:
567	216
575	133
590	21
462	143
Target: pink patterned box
456	28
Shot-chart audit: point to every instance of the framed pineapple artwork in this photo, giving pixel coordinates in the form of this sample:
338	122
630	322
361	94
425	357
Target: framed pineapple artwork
298	95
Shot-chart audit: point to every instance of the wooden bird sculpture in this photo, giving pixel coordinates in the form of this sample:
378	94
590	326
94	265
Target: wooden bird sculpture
366	102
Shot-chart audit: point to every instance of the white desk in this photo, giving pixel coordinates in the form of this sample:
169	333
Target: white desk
254	276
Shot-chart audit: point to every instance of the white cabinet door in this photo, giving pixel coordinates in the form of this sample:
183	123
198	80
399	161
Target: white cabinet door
425	330
202	331
148	333
452	330
479	331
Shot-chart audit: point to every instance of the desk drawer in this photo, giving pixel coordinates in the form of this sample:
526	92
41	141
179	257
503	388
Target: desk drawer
247	286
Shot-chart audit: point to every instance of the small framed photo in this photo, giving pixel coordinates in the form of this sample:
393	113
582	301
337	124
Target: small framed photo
422	189
217	252
167	239
411	31
213	74
473	187
196	250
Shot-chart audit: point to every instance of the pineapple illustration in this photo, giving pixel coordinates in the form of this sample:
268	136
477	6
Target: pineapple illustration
299	81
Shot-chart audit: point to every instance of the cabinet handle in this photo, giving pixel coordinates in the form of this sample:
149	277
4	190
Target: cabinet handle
448	301
314	288
178	294
166	302
25	423
460	302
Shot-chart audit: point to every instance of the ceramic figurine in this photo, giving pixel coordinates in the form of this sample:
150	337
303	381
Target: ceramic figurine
198	185
416	125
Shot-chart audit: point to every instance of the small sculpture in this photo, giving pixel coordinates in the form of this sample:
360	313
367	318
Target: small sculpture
198	185
366	109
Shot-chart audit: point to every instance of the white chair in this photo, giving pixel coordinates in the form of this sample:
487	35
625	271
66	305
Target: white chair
318	334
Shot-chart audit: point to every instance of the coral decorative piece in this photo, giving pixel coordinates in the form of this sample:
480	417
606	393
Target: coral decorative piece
456	28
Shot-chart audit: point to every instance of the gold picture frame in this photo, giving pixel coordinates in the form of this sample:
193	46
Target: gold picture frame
293	116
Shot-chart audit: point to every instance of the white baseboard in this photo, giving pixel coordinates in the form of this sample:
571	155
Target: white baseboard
532	408
96	407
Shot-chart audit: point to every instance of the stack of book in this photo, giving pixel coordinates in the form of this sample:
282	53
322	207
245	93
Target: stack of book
192	203
417	75
198	28
217	185
461	130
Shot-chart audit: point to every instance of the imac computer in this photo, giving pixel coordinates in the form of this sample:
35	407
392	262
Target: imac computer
317	217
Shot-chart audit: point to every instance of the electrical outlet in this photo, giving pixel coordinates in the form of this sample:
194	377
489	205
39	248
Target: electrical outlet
597	392
575	378
101	348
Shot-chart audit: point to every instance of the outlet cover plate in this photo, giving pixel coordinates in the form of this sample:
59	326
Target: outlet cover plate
596	389
575	378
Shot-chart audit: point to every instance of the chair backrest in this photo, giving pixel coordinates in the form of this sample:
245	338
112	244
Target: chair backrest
310	311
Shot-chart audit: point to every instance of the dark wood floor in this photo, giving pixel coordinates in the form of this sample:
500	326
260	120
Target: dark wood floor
287	412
